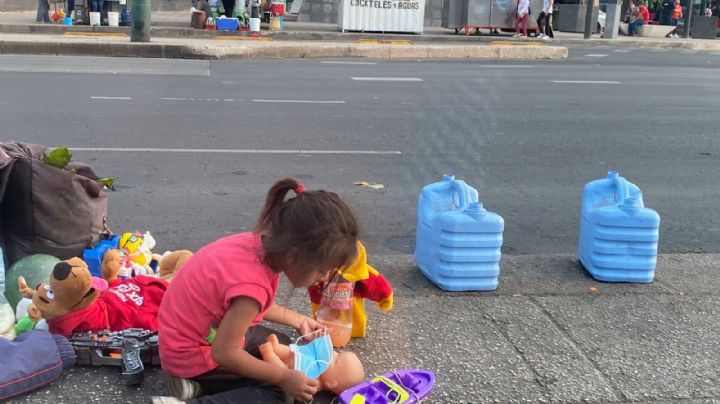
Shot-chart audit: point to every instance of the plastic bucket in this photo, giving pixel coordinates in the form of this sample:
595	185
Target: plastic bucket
94	19
113	19
68	20
254	25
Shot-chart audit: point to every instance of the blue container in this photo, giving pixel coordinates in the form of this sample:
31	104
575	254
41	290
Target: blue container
93	256
68	20
618	234
227	24
458	242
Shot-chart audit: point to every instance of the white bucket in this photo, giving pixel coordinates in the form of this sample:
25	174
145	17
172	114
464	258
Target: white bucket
254	25
94	19
113	18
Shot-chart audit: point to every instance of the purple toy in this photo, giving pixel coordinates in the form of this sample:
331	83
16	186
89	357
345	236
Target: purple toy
406	386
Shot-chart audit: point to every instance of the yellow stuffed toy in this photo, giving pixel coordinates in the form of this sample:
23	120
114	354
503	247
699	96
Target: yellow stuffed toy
369	284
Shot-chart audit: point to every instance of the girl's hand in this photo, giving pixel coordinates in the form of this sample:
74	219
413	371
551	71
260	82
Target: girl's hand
299	386
308	326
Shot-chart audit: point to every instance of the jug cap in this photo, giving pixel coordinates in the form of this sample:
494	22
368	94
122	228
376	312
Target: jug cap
448	177
613	174
475	210
631	203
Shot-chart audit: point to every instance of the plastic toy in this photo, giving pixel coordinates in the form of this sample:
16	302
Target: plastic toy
136	254
343	370
404	386
129	348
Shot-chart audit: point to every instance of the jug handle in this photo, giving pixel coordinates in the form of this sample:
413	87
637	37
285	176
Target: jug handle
462	196
621	188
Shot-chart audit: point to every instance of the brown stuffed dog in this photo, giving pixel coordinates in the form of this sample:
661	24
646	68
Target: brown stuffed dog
69	303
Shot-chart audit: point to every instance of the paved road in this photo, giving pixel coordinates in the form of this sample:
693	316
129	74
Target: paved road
524	133
526	141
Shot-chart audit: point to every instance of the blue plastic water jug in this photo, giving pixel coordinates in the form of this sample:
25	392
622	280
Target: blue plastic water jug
618	234
458	242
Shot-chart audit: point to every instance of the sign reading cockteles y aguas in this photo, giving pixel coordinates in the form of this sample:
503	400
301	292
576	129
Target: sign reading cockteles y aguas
382	15
387	4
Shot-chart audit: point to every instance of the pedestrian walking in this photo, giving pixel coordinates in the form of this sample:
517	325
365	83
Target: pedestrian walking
523	10
545	31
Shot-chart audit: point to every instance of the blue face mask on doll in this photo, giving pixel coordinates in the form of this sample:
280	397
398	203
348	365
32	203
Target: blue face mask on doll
314	357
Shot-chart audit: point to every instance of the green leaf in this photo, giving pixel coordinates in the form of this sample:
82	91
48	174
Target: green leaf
108	182
59	157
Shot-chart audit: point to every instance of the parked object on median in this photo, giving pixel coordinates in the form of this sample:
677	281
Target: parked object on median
458	242
618	234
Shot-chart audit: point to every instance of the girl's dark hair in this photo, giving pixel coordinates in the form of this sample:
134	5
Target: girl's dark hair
315	229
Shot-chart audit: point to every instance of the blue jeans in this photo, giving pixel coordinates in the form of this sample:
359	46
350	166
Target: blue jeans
43	10
97	5
635	26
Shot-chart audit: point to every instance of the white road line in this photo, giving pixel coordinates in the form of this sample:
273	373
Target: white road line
596	55
98	97
58	70
230	151
387	78
715	53
328	62
199	99
585	82
302	101
506	66
622	50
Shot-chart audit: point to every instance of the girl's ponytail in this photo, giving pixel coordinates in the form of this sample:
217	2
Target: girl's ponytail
275	197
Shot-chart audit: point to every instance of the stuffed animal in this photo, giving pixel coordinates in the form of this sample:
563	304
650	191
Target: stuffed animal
69	302
369	284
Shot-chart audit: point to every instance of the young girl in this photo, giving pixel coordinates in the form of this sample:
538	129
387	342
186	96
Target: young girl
209	315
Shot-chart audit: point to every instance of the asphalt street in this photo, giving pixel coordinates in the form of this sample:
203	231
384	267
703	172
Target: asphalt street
527	135
196	144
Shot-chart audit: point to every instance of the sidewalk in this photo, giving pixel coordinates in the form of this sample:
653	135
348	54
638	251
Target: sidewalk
173	38
548	334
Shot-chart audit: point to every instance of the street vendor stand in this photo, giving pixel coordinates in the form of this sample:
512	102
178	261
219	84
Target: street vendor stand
381	15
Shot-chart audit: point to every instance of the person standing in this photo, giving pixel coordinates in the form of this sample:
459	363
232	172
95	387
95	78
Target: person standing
523	10
545	31
43	9
668	6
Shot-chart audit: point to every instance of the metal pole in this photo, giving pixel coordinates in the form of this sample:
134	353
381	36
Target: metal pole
588	18
686	30
140	24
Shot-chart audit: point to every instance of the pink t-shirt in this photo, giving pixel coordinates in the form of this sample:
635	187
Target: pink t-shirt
201	293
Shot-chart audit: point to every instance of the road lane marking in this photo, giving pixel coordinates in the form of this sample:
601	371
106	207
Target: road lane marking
507	66
231	151
386	78
621	50
384	41
348	63
99	97
596	55
585	82
302	101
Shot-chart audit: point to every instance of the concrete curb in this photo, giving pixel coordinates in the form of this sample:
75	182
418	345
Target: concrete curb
160	31
281	50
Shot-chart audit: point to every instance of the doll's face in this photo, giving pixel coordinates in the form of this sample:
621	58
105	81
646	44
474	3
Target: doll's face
345	371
